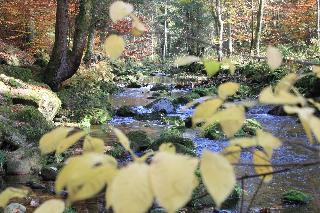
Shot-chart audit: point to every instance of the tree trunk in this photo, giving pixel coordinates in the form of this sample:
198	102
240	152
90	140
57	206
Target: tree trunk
64	63
219	29
318	21
230	42
165	43
257	38
252	28
90	46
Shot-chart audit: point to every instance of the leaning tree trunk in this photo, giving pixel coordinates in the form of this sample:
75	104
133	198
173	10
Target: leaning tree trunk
64	63
318	21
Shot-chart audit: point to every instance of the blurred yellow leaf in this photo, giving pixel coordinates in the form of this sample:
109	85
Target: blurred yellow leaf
316	70
66	143
230	64
282	97
267	141
211	66
49	142
119	10
123	139
167	147
91	182
114	46
131	191
10	193
77	167
230	119
274	57
228	89
218	176
244	142
91	144
232	154
263	165
205	110
286	83
173	179
138	28
185	60
52	206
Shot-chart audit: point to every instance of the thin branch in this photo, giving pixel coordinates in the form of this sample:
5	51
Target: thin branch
242	195
255	193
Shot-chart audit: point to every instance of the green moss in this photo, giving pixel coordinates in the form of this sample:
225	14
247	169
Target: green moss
184	99
201	198
125	111
140	140
69	210
117	151
249	128
295	197
205	91
17	72
35	125
182	145
173	120
159	87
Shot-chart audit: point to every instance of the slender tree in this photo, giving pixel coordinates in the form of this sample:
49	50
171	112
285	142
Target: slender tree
257	38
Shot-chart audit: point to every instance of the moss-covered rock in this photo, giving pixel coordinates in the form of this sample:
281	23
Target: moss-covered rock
249	128
182	145
159	87
205	91
126	111
162	105
139	139
184	99
117	151
295	197
173	120
202	199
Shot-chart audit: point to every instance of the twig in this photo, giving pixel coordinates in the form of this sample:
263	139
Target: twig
255	194
242	195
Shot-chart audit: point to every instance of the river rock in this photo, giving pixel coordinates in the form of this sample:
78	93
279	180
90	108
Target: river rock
49	173
15	208
126	111
277	111
162	105
22	162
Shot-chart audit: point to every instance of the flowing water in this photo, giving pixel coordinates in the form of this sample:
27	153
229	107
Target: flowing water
269	196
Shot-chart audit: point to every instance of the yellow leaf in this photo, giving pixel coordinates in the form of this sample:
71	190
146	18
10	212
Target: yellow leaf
167	147
114	46
91	182
274	57
119	10
131	190
286	83
66	143
10	193
283	97
218	176
49	142
230	119
123	139
228	89
93	145
173	179
316	70
263	165
137	27
52	206
232	154
211	66
77	167
205	110
244	142
185	60
314	123
267	141
230	64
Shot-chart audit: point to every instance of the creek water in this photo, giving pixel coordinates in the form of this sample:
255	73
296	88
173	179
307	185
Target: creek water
286	128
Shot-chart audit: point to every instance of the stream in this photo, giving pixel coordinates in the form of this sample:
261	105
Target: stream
269	196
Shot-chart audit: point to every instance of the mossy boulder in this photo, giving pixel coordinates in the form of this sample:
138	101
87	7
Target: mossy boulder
117	151
182	145
295	197
205	91
249	128
139	139
162	105
184	99
46	101
126	111
160	87
202	199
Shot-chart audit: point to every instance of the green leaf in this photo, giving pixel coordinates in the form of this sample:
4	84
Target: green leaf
211	66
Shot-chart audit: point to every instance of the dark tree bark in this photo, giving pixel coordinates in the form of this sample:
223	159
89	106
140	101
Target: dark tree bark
64	63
